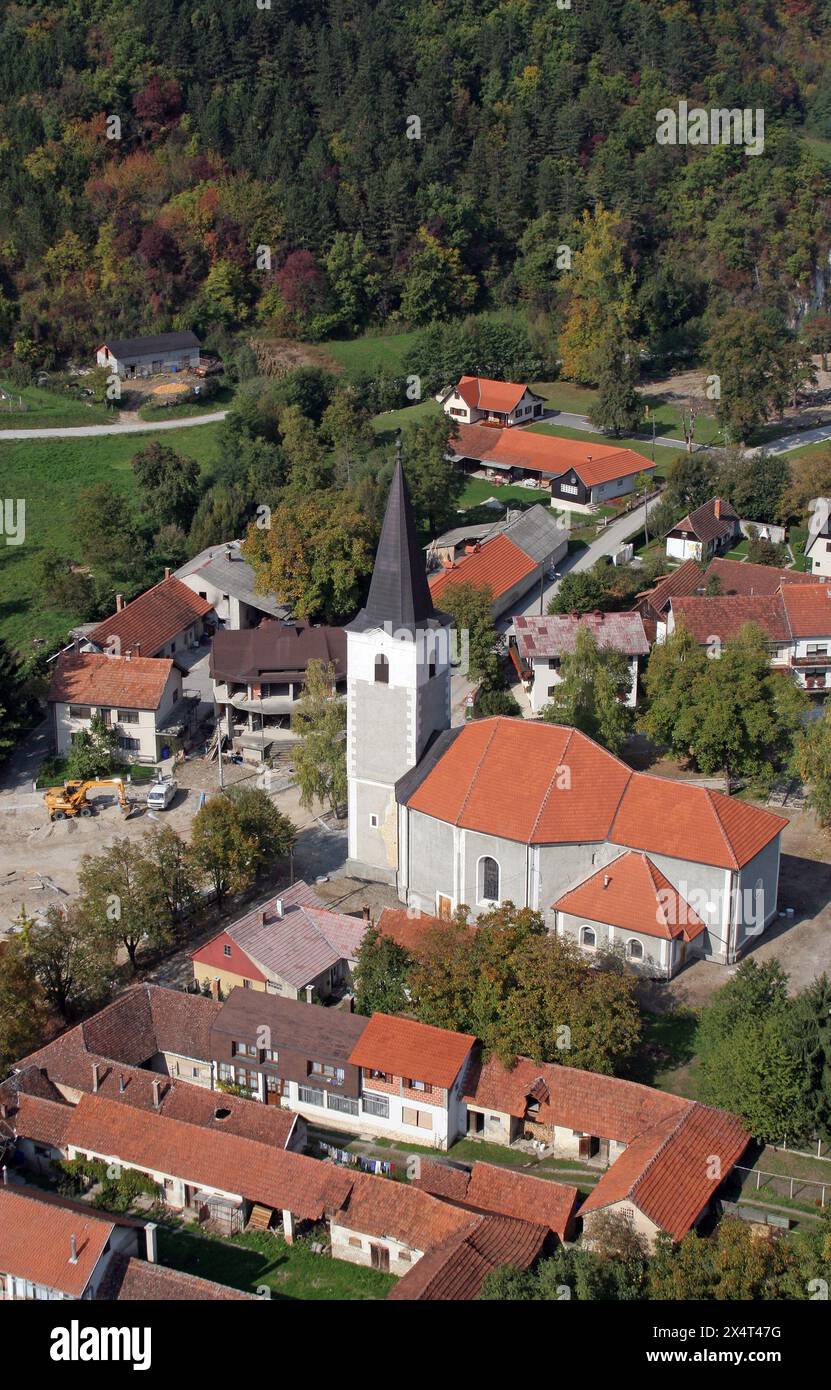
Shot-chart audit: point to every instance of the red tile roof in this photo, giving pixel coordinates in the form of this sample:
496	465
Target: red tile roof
93	678
666	1172
42	1121
588	1101
381	1207
239	1166
741	577
685	821
409	927
808	609
35	1242
484	393
416	1051
724	617
504	1192
497	564
633	894
153	619
573	791
135	1280
457	1269
546	453
684	580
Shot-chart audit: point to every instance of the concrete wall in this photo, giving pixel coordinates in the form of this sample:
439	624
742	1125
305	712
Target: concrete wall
639	1222
659	959
356	1247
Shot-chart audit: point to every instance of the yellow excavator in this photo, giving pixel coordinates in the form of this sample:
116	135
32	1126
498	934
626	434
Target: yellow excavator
71	799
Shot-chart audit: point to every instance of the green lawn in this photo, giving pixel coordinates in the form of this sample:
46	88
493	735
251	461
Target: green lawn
48	410
577	400
478	490
368	353
256	1260
191	406
49	475
385	425
807	450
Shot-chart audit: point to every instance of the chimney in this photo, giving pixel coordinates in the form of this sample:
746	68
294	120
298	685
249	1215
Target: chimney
150	1232
167	571
367	917
95	1078
137	648
606	880
264	917
278	907
718	508
73	1250
121	1086
215	988
119	602
157	1095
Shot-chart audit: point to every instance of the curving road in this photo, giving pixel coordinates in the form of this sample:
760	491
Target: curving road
92	431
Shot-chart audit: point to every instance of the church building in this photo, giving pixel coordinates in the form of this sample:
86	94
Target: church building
533	813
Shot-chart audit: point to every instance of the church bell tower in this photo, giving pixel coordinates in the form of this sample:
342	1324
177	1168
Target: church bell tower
398	685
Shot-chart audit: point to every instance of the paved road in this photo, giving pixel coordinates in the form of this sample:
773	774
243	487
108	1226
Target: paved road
579	422
92	431
608	542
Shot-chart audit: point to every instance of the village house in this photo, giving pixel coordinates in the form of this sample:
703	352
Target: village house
712	527
456	1270
221	577
387	1076
141	357
479	399
580	475
138	697
796	621
56	1251
818	544
487	1187
654	1146
538	645
164	621
292	945
259	675
508	563
723	575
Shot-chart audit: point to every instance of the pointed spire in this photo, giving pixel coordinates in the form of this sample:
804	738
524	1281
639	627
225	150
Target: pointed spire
399	594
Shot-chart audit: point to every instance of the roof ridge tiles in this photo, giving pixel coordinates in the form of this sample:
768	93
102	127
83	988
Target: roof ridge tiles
728	842
544	800
680	1120
482	756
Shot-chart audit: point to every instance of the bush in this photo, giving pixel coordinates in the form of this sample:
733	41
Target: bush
491	701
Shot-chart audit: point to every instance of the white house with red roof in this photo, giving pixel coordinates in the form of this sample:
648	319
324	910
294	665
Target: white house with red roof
138	697
480	399
541	642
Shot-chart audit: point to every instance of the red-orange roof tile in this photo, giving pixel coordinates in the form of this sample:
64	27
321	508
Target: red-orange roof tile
415	1051
684	821
409	927
725	616
153	619
504	1192
808	609
498	564
633	894
456	1270
549	454
35	1242
484	393
121	682
380	1207
742	577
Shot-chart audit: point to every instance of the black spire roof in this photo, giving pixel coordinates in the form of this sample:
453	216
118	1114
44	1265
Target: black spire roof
399	594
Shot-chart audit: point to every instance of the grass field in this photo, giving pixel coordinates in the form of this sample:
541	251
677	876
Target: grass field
369	353
48	410
385	425
577	400
49	475
255	1261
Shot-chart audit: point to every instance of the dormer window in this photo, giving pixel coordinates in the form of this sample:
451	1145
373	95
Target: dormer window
382	670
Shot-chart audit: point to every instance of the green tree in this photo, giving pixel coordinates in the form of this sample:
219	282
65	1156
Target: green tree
808	1035
319	719
121	901
435	483
169	859
346	426
618	408
601	310
471	607
94	751
105	529
13	700
235	836
758	365
381	973
436	283
67	958
220	516
169	485
594	680
812	762
24	1009
316	555
309	468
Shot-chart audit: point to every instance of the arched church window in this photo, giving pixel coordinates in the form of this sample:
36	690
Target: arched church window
587	936
488	880
382	670
634	950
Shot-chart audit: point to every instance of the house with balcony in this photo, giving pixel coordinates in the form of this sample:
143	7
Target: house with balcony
538	645
386	1076
292	945
140	698
501	404
259	674
796	621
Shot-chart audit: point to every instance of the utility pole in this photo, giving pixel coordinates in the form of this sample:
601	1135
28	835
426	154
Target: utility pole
219	737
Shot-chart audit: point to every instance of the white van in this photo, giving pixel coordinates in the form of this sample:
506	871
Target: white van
160	794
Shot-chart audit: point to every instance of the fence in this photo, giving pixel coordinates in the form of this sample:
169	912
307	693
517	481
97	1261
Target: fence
807	1191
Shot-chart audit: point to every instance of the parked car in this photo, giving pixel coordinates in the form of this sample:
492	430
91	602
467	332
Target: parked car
160	794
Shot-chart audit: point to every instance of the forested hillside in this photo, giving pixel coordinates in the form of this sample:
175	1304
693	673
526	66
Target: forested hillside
289	128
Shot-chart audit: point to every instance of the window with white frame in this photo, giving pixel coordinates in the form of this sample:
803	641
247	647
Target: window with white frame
588	937
634	949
